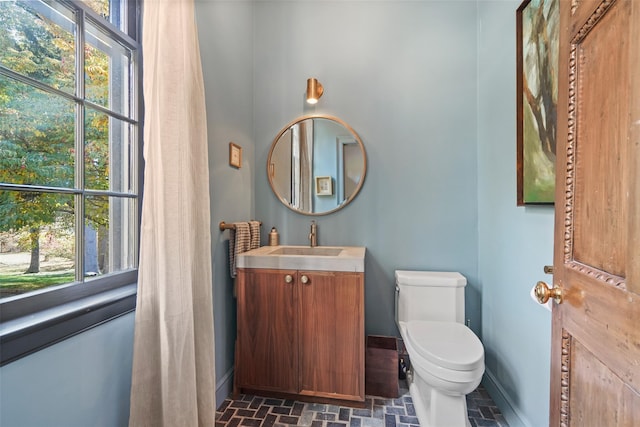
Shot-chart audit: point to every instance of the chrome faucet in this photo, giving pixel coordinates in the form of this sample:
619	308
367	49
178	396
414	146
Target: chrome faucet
313	236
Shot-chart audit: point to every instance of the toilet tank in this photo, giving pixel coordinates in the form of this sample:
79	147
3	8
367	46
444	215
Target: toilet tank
430	295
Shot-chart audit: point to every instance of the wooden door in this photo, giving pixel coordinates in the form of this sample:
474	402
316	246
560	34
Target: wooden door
595	361
267	352
331	331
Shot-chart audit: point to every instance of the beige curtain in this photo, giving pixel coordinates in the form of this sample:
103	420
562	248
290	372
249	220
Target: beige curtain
306	166
173	379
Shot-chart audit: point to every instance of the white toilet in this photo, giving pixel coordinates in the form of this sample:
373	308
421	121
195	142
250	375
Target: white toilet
447	358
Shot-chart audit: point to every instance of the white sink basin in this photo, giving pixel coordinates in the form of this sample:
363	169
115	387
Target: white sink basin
319	258
317	251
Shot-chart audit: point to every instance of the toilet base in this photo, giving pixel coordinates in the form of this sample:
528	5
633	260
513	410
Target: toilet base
434	408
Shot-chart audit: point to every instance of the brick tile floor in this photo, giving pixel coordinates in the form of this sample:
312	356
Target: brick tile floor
378	412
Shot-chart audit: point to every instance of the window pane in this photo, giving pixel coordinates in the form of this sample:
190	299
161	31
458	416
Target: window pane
37	40
109	152
107	68
37	241
110	235
37	134
111	10
65	165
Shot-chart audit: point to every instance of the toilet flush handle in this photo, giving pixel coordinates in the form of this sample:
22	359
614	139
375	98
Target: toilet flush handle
396	304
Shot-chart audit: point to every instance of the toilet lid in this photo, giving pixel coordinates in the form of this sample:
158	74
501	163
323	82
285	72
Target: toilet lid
447	344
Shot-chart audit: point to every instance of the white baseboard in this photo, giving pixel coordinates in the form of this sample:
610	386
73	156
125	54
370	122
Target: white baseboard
504	402
224	387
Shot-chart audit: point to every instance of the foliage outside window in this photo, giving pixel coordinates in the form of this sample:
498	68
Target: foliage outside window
69	147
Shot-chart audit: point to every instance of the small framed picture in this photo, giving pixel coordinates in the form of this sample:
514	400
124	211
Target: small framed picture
324	186
235	155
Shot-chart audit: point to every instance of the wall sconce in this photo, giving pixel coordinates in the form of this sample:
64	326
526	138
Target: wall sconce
314	91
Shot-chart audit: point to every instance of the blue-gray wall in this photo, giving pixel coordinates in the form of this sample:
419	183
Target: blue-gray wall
82	381
402	74
430	88
514	242
226	48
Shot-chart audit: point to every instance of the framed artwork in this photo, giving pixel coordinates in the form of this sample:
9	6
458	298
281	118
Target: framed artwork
537	25
235	155
324	186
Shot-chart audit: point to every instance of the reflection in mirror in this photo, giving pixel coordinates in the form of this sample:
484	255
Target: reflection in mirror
316	165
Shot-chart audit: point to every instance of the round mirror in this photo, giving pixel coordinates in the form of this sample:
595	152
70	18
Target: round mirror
316	165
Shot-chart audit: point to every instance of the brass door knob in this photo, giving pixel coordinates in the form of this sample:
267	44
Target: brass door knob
304	280
288	278
543	293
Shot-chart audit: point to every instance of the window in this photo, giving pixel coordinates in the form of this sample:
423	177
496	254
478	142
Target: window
70	136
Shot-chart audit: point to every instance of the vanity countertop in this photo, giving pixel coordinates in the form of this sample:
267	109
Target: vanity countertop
319	258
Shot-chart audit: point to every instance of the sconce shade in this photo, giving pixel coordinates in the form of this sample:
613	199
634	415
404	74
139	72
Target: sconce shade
314	90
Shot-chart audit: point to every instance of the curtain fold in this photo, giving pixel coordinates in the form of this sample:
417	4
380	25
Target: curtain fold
173	378
306	166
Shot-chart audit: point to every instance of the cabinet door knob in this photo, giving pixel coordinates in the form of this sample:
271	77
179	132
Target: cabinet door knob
288	278
304	280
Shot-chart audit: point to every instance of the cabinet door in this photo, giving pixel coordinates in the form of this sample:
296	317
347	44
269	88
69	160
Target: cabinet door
267	349
331	333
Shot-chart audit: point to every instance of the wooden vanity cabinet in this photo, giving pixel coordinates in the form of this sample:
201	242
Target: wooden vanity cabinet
305	337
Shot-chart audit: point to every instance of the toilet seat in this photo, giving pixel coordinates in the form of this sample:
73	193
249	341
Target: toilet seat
448	345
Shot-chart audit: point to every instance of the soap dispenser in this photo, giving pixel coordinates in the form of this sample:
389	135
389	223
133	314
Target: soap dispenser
274	237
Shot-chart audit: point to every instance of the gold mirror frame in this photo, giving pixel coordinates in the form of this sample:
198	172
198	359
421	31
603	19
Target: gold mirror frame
319	185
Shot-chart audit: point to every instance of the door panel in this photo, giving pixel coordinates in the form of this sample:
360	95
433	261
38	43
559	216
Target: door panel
592	380
267	344
602	80
595	360
331	319
316	328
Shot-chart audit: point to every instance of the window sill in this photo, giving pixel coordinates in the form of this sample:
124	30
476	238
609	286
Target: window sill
25	335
